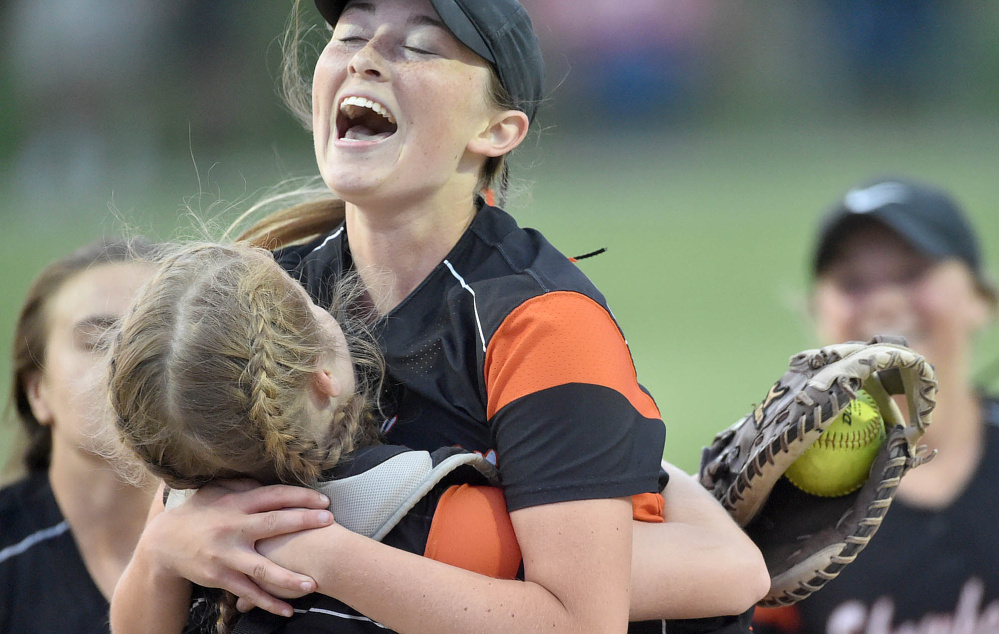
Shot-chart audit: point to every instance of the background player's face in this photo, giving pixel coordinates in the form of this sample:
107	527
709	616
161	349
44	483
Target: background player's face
70	393
879	284
433	88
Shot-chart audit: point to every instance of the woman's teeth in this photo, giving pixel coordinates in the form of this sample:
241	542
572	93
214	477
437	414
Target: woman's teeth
353	107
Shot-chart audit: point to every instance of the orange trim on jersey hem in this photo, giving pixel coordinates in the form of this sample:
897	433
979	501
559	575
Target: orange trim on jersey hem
786	619
648	507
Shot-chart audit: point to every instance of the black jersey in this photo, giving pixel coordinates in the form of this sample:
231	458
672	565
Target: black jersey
925	570
507	349
45	584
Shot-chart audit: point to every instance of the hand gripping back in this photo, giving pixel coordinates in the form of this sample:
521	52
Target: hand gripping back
805	539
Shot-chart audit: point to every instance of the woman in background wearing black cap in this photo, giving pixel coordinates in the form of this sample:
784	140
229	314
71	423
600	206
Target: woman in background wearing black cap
493	340
898	257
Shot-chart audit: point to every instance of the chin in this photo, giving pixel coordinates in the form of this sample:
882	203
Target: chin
346	182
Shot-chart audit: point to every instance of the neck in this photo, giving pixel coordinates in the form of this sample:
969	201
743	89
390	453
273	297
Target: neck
957	433
394	249
105	513
956	419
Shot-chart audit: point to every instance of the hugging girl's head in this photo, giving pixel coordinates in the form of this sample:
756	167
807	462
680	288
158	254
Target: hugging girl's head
225	368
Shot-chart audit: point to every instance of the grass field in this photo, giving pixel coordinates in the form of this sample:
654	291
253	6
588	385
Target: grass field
708	235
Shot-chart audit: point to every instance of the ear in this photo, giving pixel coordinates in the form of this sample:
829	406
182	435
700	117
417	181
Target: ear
324	386
38	399
504	133
983	311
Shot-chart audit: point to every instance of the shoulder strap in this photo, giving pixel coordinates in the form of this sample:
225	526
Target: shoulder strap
373	502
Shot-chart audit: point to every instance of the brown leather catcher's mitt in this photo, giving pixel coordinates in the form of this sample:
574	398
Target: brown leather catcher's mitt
806	539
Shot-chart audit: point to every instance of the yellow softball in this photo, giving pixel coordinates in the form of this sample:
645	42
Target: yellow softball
840	460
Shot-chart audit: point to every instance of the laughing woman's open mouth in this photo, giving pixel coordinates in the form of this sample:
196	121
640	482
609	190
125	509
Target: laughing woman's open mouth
364	120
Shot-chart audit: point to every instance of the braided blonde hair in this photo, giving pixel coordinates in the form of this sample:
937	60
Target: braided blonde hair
211	369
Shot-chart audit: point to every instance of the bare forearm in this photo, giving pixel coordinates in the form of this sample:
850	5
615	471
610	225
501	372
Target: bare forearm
680	572
698	563
688	502
449	599
564	591
148	602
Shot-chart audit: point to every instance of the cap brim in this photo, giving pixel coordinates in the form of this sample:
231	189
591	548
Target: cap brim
330	9
452	15
463	28
921	238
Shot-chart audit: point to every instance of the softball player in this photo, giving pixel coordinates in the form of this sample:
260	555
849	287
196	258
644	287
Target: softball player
494	342
67	528
898	256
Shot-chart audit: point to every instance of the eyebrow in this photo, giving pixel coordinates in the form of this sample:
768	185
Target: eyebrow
426	20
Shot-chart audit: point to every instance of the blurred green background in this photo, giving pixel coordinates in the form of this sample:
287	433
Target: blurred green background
698	142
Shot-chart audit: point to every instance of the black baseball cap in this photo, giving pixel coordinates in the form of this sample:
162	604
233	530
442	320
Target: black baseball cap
499	31
926	217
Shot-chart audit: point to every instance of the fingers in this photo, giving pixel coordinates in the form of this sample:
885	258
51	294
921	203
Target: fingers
279	496
250	596
262	526
244	606
265	583
279	592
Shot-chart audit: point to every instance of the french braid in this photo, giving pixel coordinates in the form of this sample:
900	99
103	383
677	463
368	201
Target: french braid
211	370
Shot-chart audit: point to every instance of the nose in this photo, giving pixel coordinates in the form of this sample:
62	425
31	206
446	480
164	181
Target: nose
887	294
368	61
886	306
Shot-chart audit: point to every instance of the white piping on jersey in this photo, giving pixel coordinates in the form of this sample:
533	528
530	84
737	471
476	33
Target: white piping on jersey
331	236
32	539
475	307
341	615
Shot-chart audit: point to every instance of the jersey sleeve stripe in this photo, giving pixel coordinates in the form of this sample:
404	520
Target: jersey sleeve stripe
559	338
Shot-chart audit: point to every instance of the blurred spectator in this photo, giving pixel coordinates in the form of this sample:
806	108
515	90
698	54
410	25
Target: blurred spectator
635	62
887	47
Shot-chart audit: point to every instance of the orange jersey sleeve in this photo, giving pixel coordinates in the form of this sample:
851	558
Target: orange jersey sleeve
555	339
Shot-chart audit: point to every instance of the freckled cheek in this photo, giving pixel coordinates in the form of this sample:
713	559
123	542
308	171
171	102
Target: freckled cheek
447	126
327	78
